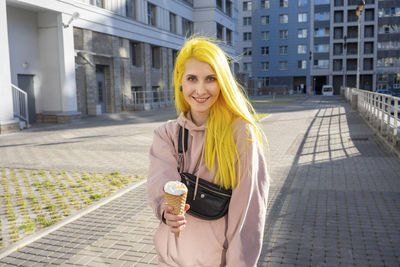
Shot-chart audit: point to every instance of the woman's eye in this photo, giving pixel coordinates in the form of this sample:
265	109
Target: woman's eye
191	78
211	79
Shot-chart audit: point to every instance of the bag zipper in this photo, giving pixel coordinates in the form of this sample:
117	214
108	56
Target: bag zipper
216	192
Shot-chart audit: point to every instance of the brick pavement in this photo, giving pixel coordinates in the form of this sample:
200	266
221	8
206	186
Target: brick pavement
334	198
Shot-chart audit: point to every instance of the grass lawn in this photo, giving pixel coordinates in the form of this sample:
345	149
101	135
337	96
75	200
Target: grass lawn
34	199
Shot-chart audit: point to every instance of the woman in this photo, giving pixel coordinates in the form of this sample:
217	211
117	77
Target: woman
224	147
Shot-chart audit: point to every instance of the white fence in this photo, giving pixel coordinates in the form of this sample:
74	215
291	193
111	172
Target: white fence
379	110
147	100
20	103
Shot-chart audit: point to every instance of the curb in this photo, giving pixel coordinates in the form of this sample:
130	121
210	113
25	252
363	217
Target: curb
32	238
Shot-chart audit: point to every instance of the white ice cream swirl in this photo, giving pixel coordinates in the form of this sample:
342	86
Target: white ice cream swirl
175	188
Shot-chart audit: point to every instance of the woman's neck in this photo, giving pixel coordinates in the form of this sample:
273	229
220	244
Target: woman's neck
199	118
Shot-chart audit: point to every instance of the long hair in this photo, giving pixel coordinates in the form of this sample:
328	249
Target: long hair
231	104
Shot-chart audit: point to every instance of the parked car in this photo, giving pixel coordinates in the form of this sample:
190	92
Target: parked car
327	90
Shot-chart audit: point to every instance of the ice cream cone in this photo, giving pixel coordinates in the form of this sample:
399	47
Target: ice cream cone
177	202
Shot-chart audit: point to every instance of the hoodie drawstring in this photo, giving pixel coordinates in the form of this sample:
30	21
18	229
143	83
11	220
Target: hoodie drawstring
198	173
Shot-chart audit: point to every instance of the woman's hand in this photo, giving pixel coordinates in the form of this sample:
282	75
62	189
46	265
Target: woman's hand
176	223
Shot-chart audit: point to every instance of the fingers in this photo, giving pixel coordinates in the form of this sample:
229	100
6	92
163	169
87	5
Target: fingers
175	222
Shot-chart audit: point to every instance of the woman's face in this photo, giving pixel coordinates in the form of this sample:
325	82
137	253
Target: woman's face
200	87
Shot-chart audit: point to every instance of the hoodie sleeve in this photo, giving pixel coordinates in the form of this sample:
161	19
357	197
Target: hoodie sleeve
163	167
247	209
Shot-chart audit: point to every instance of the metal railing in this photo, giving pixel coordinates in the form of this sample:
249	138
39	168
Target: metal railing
20	104
147	100
379	110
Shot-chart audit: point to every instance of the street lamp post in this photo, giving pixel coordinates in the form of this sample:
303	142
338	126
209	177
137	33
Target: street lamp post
359	11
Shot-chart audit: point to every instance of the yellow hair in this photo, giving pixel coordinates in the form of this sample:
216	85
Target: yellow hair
231	105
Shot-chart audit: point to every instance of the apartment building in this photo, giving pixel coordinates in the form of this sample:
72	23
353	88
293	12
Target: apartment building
281	43
309	43
388	56
86	57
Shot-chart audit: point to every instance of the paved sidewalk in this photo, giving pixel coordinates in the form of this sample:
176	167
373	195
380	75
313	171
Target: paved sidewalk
334	199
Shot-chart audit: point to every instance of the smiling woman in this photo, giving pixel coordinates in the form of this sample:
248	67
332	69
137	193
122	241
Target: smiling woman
200	89
216	138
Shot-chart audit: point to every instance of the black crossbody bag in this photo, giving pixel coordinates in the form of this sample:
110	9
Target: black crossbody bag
212	201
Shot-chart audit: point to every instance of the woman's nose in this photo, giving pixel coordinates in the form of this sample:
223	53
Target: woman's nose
201	88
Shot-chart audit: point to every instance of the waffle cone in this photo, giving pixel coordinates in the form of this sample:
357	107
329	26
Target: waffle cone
178	204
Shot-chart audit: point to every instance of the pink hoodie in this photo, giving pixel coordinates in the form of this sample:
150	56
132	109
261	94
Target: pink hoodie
234	240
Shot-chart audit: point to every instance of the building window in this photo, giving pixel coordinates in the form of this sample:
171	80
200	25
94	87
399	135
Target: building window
219	4
172	22
368	64
322	2
229	36
228	8
135	54
283	19
321	32
247	67
301	49
265	66
389	62
265	35
283	65
389	45
264	81
351	16
156	57
321	48
246	51
137	94
283	3
369	31
369	15
246	21
264	20
321	16
265	50
337	65
338	3
265	4
283	50
151	14
338	49
131	8
302	3
283	34
220	30
247	6
187	27
389	28
302	64
247	36
302	17
98	3
321	64
389	12
368	48
301	33
338	16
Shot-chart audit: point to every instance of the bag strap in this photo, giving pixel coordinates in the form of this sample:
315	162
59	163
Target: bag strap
185	142
180	149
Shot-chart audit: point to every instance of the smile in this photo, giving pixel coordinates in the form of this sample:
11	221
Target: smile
200	100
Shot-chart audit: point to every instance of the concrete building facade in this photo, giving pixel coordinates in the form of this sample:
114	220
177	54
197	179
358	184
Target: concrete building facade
281	34
87	57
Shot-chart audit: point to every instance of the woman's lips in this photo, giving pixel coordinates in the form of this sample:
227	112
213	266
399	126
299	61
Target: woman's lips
200	99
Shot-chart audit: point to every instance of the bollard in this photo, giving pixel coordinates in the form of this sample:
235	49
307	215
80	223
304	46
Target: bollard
354	100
